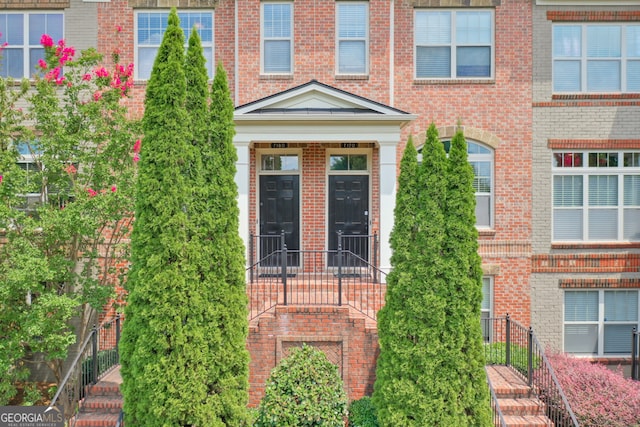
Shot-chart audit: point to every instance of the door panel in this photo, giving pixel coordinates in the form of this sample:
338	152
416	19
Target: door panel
279	211
349	213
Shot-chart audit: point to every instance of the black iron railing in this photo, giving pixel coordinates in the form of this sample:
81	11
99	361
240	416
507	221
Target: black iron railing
296	277
635	358
509	343
95	358
498	417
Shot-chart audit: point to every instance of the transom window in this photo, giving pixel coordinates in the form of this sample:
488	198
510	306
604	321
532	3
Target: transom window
348	162
599	322
596	196
277	38
352	37
454	44
150	28
596	58
22	33
279	162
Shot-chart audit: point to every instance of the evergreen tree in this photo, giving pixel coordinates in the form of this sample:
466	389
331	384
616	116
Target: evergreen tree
465	279
415	377
164	382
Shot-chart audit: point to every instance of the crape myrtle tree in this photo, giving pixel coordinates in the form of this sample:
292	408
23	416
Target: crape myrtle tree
174	368
419	375
67	167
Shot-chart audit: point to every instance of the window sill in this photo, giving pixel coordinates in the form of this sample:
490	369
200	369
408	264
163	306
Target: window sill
276	76
596	245
352	76
486	232
454	81
580	96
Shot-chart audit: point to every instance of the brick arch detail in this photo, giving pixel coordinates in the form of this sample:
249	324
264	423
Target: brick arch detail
479	135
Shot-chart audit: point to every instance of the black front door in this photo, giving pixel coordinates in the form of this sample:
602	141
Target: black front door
349	214
279	211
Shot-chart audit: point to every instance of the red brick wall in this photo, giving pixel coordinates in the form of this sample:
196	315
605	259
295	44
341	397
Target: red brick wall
347	340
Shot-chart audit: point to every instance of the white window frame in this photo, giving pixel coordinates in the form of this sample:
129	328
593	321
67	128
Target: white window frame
364	39
454	45
27	45
585	171
600	323
584	59
264	39
487	313
206	44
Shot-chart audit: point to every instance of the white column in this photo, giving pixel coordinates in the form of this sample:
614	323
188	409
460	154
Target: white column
387	199
242	181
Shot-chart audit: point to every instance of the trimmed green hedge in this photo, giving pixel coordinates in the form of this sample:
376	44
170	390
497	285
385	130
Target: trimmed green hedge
362	413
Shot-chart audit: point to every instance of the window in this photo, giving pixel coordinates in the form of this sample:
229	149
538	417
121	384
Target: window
486	307
277	37
352	37
348	162
453	44
150	27
596	58
280	162
599	322
596	196
22	32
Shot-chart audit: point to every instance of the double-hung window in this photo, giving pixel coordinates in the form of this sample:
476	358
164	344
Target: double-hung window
596	196
599	322
22	32
277	37
150	27
352	37
453	44
596	58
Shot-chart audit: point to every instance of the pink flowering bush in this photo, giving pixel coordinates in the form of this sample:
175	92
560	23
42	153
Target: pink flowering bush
598	396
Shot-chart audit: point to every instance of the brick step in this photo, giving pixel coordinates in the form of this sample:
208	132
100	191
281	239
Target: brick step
527	421
102	404
104	388
521	406
96	420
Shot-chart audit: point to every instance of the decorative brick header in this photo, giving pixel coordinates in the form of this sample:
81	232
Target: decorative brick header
586	263
456	3
599	283
578	101
34	4
580	96
165	4
593	16
594	144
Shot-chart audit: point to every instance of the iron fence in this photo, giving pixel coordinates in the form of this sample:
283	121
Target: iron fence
509	343
95	358
296	277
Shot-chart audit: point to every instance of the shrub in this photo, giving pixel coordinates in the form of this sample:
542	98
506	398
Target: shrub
362	413
597	395
305	389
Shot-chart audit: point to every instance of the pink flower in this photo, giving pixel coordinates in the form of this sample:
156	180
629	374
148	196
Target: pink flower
97	96
86	77
118	28
92	192
136	157
136	146
46	40
71	169
42	64
0	179
101	72
113	189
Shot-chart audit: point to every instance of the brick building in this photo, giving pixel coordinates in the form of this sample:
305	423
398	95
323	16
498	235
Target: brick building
327	93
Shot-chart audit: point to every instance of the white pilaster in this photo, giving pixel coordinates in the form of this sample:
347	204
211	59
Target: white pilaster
387	199
242	181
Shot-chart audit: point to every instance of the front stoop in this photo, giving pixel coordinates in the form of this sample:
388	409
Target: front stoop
517	403
103	403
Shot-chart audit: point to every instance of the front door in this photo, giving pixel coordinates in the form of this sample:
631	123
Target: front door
349	214
279	211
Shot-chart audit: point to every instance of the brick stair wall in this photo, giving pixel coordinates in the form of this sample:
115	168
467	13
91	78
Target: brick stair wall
102	404
517	403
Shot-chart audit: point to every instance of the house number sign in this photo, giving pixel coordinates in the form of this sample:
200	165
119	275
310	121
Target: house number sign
279	145
349	145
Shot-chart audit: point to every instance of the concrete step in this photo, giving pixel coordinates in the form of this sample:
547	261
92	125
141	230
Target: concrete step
527	421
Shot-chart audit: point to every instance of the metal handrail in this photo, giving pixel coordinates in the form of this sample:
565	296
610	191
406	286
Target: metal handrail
635	344
95	357
498	416
509	343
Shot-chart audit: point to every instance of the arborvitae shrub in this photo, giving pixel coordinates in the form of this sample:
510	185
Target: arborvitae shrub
305	389
598	396
362	413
